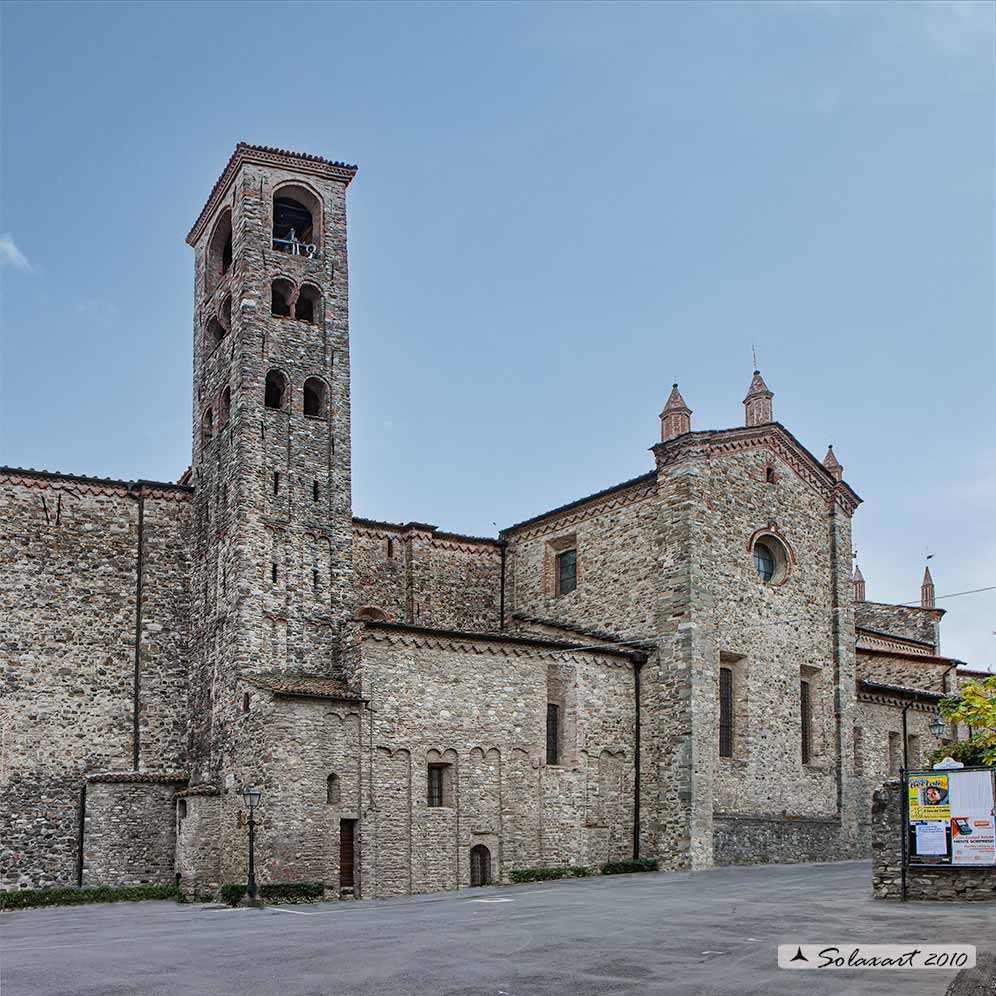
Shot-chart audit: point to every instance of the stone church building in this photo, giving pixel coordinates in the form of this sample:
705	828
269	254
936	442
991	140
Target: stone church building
681	666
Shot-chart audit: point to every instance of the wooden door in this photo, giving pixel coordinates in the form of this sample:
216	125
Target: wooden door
347	844
480	865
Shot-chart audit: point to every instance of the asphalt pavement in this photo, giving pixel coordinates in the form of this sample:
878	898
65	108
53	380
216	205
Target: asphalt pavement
708	933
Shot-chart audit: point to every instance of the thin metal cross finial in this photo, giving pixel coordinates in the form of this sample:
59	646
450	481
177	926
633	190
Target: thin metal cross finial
753	353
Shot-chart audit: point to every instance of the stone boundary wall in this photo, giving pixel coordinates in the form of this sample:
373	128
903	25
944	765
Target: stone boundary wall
748	840
942	884
129	833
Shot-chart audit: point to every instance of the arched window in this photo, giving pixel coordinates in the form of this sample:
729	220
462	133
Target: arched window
769	475
308	305
219	251
315	401
332	789
226	407
215	333
226	313
281	292
296	221
207	427
372	613
276	390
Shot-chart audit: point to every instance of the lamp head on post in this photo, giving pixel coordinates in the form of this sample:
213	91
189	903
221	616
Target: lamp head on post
250	796
937	726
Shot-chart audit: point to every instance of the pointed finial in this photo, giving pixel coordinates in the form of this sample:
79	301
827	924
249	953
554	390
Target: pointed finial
676	418
858	581
927	590
832	464
758	401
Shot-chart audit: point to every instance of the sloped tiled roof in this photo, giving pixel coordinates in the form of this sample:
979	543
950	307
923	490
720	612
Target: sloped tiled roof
307	686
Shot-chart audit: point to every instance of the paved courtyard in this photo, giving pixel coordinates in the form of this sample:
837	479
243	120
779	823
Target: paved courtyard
710	933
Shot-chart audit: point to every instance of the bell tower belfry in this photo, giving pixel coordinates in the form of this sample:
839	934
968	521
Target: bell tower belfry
271	430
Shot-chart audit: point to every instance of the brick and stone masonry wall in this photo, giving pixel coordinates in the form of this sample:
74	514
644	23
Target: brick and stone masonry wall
877	749
478	706
945	885
129	833
902	620
910	672
68	553
418	575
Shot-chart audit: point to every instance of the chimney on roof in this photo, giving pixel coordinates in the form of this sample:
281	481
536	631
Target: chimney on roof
676	419
927	590
832	464
757	404
858	581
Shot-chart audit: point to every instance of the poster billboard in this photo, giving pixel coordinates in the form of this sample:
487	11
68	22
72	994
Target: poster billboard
950	817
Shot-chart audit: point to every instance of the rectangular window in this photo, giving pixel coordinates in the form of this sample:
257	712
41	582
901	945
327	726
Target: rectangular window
895	753
435	794
725	712
390	549
805	720
567	571
314	491
276	482
913	750
552	733
859	751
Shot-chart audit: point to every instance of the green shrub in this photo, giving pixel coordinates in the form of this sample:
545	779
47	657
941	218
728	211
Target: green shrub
232	892
292	892
630	865
520	875
26	898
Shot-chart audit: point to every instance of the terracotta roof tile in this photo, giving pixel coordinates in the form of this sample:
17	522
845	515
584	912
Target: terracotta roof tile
307	685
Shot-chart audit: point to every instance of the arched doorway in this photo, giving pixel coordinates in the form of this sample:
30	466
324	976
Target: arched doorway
480	865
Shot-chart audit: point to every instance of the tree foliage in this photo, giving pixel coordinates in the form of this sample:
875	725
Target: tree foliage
975	707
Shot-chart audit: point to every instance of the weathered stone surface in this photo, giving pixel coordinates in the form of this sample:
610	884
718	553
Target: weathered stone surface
941	884
332	660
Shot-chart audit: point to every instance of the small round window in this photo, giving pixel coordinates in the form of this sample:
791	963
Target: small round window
770	560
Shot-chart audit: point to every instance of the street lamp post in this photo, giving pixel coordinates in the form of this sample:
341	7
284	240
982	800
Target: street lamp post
250	796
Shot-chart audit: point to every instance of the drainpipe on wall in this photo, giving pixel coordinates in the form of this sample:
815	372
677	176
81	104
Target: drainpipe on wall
839	733
501	600
135	491
637	669
79	838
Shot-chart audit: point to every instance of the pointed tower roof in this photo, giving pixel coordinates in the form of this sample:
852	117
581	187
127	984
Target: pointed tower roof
757	404
757	389
927	579
832	464
676	419
675	402
857	575
927	589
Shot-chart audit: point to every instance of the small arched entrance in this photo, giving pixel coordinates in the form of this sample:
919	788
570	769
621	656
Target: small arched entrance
480	865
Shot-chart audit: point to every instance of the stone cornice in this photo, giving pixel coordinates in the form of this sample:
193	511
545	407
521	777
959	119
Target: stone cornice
712	443
375	529
44	479
558	519
264	155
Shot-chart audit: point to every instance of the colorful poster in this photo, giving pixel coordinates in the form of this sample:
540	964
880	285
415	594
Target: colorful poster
973	831
928	797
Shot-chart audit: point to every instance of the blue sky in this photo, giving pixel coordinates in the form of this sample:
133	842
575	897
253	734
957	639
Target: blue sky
560	210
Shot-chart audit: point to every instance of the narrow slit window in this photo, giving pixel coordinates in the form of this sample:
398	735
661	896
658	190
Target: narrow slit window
725	712
276	482
273	573
552	733
314	491
390	549
805	725
436	785
567	571
314	579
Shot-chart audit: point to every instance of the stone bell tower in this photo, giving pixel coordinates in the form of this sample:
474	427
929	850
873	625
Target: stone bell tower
271	432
